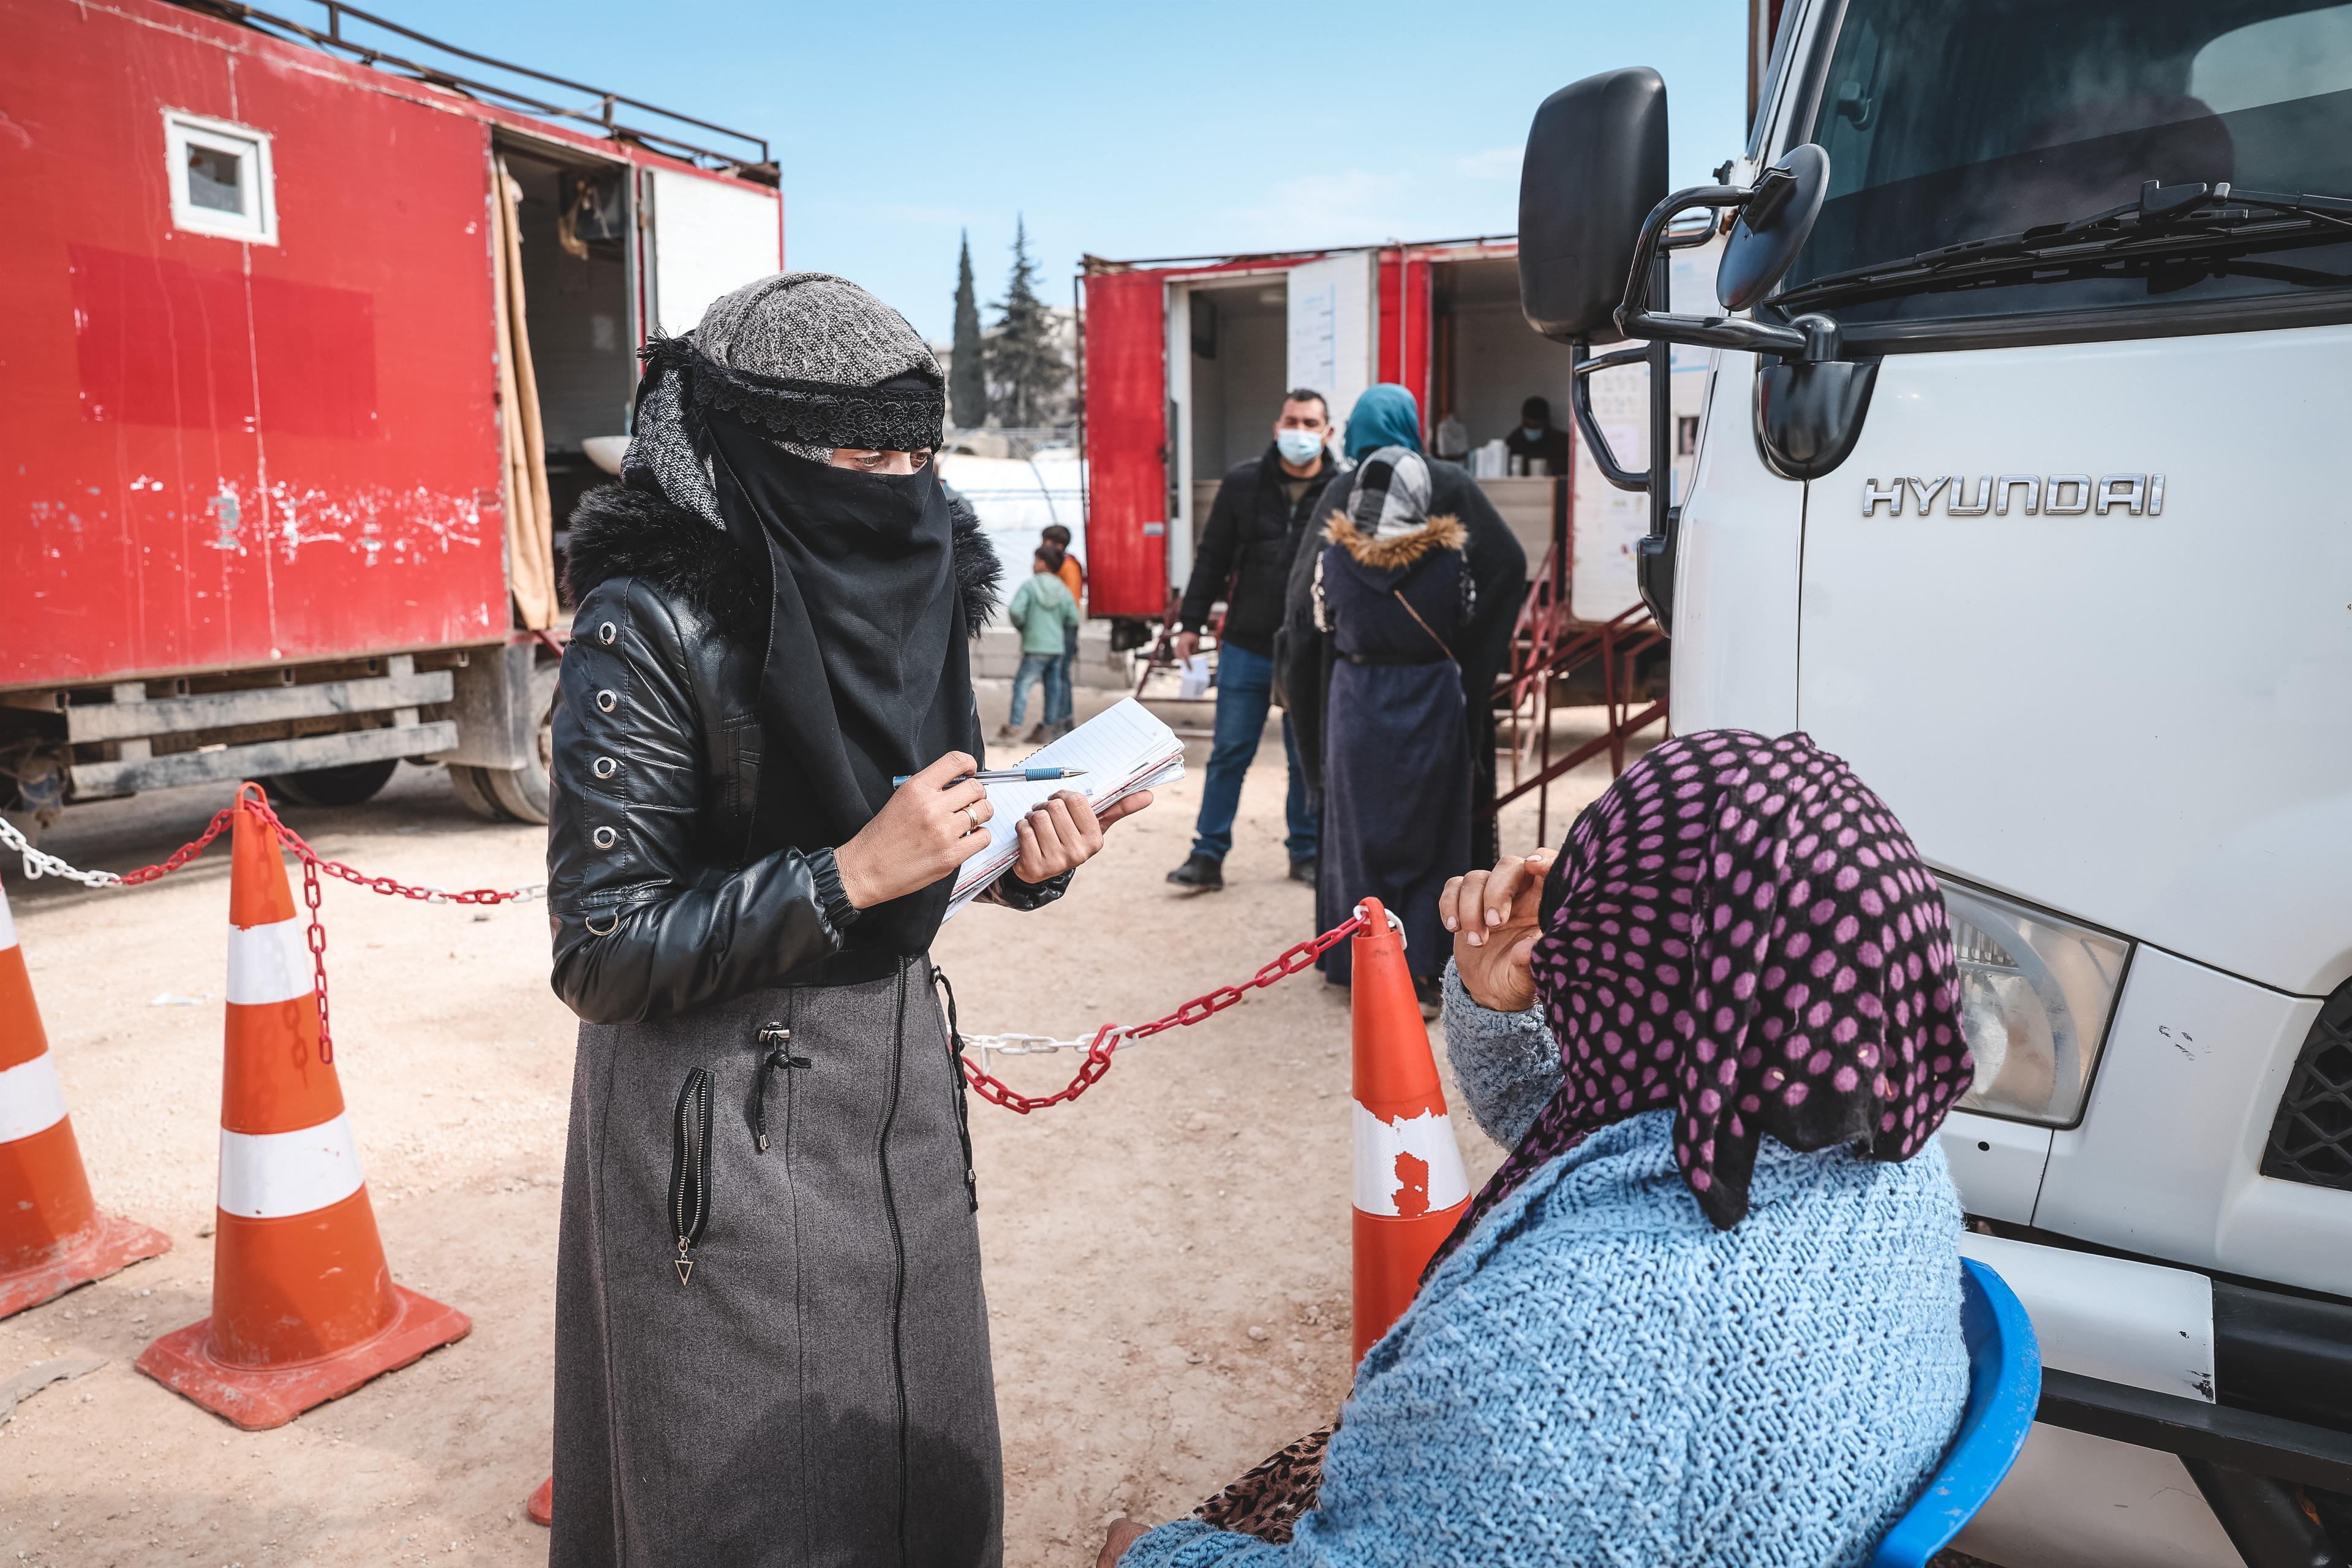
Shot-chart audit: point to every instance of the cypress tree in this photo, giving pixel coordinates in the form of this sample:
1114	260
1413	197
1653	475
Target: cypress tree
1025	369
968	371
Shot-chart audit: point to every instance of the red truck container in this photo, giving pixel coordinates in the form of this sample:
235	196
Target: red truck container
1186	361
307	356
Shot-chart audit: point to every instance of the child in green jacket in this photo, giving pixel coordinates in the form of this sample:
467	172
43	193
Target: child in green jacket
1043	612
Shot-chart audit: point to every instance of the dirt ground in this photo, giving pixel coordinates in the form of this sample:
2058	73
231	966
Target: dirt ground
1167	1258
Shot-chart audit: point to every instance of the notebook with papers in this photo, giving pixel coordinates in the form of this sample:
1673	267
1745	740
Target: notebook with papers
1122	748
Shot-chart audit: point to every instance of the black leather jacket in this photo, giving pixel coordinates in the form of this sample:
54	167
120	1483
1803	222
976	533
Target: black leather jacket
1252	532
667	886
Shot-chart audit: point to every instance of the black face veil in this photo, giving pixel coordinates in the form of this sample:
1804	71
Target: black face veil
866	674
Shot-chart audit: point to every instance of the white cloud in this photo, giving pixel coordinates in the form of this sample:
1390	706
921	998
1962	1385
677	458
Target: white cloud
1494	164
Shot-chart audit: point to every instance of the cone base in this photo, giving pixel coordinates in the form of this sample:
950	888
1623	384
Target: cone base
256	1399
109	1246
541	1509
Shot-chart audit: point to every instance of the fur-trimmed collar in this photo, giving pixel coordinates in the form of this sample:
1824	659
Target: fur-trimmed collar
619	530
1398	549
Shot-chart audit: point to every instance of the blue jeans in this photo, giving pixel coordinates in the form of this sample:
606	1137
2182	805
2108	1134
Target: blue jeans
1058	696
1245	691
1052	667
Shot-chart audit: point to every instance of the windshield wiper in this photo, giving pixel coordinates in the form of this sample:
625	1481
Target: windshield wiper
2165	219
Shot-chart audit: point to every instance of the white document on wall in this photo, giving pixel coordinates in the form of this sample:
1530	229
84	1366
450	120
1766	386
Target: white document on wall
1124	748
1604	578
1330	319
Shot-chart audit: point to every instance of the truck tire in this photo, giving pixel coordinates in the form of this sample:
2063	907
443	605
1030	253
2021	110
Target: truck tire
473	792
350	785
523	791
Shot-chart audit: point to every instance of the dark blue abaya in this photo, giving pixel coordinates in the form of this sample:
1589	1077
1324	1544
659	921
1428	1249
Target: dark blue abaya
1396	760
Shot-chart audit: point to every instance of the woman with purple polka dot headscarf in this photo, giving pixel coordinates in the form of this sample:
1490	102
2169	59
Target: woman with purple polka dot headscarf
1707	1311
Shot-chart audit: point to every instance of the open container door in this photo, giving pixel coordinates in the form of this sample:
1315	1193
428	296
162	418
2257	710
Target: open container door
1331	328
1126	444
709	237
1404	336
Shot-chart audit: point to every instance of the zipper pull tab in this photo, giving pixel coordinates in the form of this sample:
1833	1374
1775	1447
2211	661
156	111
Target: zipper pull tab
777	1041
684	1264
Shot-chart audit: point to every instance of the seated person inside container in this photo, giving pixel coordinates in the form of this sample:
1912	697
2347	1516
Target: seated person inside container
1707	1312
1535	441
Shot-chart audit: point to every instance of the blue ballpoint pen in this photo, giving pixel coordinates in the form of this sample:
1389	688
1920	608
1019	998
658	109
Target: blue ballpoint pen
1005	775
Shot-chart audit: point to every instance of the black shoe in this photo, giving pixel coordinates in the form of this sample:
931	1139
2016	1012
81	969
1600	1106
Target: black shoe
1431	994
1200	873
1303	870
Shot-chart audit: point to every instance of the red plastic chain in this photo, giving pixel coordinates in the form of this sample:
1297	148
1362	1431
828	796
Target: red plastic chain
317	940
988	1087
183	854
1107	1039
312	864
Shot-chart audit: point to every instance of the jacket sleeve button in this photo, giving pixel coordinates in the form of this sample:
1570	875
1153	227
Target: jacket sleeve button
606	838
607	700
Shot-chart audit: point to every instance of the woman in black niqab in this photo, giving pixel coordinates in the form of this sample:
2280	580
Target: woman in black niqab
771	1344
867	675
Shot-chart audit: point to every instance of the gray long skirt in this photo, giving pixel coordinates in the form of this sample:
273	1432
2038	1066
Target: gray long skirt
817	1389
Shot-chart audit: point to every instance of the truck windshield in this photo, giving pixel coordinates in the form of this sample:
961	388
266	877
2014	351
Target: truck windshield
1955	120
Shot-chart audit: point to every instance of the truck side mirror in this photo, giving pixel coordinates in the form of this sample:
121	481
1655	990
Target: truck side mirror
1772	227
1596	165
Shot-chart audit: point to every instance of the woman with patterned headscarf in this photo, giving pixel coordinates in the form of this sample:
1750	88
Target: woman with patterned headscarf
1394	592
1707	1312
770	1341
1307	660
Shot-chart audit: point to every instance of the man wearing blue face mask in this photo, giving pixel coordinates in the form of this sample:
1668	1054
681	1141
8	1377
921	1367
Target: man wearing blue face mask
1264	508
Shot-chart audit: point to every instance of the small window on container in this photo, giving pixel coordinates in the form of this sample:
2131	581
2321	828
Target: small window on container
220	178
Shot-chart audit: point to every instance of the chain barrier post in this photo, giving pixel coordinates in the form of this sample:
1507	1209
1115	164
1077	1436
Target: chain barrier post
251	797
1110	1036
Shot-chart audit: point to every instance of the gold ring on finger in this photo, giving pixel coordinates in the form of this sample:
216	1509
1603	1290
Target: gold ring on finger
972	811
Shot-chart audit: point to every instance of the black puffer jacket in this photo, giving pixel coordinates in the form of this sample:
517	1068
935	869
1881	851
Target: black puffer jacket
1252	534
667	884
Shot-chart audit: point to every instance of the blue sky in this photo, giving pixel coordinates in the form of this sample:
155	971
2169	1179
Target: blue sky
1124	131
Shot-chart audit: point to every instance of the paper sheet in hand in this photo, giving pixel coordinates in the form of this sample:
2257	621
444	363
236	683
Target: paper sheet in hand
1123	748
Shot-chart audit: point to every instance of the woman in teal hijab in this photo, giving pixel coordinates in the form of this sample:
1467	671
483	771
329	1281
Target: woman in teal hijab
1385	415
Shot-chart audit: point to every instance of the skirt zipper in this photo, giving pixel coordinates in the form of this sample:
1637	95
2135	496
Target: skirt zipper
898	1252
690	1170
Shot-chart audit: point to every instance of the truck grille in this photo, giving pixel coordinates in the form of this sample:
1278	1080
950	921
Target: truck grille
2312	1138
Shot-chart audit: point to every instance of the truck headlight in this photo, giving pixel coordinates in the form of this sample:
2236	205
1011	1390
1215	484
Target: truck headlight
2036	991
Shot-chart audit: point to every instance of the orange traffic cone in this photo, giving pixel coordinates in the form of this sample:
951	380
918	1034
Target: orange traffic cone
52	1236
1409	1185
304	1309
540	1506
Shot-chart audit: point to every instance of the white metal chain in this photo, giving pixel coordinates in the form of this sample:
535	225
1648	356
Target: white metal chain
38	864
1015	1044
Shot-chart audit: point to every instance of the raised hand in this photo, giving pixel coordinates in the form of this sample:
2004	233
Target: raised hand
1492	915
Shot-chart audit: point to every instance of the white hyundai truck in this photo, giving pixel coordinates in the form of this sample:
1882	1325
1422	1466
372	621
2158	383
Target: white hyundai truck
2034	326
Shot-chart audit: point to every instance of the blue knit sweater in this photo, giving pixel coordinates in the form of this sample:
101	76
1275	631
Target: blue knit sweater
1601	1377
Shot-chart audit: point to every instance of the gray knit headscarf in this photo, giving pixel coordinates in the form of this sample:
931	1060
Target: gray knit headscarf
814	360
